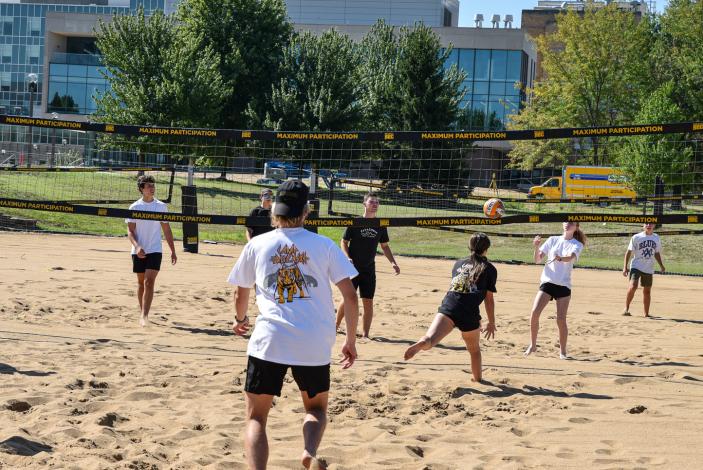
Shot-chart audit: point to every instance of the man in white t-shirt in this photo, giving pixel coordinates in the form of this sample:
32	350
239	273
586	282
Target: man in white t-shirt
291	270
644	248
145	237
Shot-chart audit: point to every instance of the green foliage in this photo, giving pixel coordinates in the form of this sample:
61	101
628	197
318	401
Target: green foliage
379	77
320	87
248	38
679	56
427	96
597	72
645	157
157	74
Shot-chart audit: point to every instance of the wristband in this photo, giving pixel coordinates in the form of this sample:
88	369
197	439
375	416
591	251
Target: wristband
244	320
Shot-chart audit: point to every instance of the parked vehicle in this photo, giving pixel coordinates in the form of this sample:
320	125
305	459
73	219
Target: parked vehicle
584	182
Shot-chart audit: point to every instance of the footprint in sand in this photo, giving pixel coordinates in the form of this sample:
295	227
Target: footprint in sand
580	420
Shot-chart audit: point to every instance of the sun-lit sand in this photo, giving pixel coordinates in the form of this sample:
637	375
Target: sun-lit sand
82	386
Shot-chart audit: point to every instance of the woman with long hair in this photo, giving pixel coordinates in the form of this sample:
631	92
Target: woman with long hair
561	252
473	281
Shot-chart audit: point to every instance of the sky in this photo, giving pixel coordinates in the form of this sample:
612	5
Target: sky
468	8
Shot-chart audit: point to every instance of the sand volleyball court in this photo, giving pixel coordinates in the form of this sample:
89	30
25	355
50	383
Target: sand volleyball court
82	386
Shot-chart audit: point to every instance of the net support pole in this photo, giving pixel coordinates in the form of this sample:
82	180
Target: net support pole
658	193
189	205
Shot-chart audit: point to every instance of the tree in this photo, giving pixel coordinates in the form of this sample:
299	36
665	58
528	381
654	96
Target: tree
427	95
158	76
596	68
378	74
249	38
669	156
679	55
320	86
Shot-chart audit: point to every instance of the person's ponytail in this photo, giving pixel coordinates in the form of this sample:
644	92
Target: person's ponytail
580	236
478	245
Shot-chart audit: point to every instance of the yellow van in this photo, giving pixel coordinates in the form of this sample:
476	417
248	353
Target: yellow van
584	182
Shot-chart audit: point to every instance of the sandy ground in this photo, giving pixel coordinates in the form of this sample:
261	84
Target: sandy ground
82	386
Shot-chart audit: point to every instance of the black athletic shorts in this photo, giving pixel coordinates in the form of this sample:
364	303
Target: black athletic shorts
555	291
366	283
465	321
266	377
152	261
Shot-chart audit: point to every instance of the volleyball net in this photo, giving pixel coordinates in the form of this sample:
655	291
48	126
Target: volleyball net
620	175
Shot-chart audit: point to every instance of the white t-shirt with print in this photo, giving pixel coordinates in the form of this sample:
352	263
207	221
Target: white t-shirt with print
148	232
559	272
643	248
292	269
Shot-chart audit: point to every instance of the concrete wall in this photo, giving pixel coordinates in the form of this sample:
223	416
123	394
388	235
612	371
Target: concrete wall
366	12
58	27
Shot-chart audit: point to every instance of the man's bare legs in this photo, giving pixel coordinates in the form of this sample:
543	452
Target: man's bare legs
140	290
256	444
630	295
541	301
367	315
441	326
147	290
562	308
314	425
646	299
340	315
472	339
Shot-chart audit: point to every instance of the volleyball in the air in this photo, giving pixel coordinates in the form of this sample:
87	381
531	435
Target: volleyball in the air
494	208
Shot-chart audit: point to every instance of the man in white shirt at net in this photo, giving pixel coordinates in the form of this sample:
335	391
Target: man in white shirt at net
291	270
145	237
644	248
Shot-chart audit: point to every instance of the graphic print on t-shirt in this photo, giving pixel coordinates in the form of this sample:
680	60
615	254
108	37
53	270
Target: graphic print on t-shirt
647	248
290	281
460	281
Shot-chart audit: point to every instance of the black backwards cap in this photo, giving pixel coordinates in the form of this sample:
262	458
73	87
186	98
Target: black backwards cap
291	198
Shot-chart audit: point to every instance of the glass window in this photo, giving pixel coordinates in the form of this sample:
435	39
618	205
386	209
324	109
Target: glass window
469	87
496	112
77	71
514	66
94	72
466	62
451	59
58	70
498	63
76	96
33	53
5	79
35	26
6	53
480	88
482	64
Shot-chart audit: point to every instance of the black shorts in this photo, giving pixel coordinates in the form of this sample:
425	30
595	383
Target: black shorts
152	261
465	321
266	377
366	283
555	291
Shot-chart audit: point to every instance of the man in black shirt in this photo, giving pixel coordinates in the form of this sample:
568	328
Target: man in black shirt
359	244
264	210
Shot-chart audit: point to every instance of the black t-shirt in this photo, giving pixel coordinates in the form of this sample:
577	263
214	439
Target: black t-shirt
363	242
465	297
260	212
